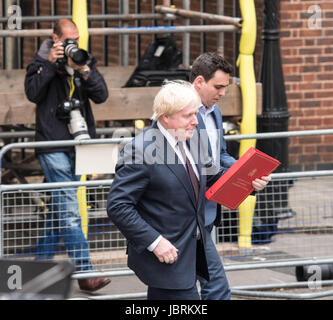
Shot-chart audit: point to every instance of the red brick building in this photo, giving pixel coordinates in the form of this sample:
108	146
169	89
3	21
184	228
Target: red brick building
306	50
307	56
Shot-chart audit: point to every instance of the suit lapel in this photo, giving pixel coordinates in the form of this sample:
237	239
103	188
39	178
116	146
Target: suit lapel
166	155
203	135
196	154
202	182
218	118
201	124
219	125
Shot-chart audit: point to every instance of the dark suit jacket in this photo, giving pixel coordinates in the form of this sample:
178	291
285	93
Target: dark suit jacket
212	210
151	195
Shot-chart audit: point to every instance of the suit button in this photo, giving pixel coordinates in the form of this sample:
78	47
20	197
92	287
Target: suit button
194	235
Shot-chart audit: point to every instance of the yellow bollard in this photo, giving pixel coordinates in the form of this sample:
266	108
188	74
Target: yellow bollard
245	217
249	119
81	20
83	208
139	124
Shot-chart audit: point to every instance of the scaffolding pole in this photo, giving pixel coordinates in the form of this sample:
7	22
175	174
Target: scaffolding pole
186	38
200	15
121	31
96	17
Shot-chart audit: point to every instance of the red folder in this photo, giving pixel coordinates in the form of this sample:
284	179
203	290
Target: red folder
236	184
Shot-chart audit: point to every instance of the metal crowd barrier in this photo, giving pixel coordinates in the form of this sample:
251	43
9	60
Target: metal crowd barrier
292	225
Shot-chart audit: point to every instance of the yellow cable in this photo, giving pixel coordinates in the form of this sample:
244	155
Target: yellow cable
249	117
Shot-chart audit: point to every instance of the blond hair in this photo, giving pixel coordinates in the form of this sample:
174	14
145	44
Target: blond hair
174	96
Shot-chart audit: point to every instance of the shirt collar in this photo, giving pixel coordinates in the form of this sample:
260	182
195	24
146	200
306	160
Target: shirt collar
172	141
206	110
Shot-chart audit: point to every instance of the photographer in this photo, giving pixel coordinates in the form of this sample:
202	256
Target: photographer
61	90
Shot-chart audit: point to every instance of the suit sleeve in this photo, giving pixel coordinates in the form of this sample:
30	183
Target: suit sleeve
129	185
212	178
95	86
226	159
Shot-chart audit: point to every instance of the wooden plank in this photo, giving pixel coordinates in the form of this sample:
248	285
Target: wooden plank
122	104
126	104
16	109
115	77
12	80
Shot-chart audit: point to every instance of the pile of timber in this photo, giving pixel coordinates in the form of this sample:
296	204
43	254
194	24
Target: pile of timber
122	104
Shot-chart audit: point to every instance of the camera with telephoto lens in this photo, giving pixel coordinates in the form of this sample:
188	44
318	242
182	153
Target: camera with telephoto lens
71	111
79	56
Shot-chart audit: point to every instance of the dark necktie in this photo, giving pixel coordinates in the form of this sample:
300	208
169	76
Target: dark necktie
190	171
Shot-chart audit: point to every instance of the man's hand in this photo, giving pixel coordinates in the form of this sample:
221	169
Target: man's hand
56	52
260	184
80	69
165	251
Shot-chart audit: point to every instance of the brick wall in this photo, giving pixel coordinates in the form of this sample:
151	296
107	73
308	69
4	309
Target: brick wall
307	57
98	44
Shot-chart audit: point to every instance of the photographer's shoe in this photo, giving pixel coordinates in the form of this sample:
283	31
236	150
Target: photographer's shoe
93	284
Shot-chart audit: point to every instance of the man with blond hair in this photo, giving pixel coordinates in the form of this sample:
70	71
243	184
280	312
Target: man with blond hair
157	197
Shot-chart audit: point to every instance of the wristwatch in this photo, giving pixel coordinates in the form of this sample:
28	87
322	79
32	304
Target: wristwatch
85	72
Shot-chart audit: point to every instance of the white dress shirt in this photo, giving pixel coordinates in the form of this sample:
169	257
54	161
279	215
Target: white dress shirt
212	131
174	144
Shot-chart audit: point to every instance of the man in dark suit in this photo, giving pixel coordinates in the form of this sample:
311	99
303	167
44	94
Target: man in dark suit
157	198
210	76
155	204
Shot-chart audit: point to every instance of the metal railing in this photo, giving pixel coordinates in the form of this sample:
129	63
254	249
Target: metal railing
302	237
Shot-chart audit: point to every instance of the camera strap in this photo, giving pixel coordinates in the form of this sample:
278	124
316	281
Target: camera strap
74	79
71	86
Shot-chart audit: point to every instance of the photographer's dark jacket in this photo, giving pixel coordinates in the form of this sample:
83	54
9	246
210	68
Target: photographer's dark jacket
46	86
